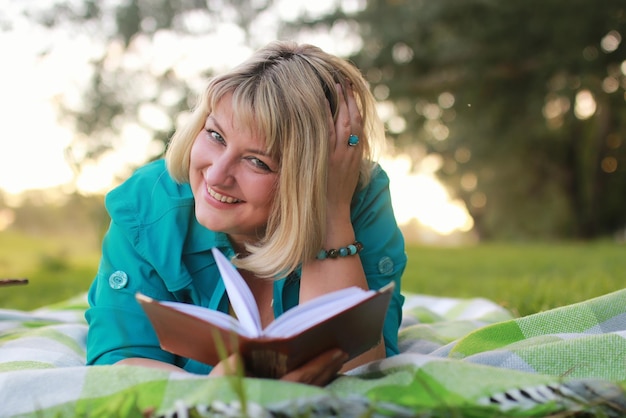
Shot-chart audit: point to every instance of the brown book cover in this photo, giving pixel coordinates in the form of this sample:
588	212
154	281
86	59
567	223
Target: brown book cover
354	330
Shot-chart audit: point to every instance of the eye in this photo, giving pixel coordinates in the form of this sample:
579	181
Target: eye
215	136
256	163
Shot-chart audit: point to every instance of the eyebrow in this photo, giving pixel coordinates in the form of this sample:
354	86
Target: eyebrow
252	150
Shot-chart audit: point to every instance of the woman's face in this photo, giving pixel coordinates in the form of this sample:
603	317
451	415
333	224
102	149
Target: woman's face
232	178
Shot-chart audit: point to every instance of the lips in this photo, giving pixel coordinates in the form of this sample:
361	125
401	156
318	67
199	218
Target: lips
220	197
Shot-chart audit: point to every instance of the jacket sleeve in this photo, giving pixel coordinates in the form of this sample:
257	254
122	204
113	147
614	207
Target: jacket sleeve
383	255
118	327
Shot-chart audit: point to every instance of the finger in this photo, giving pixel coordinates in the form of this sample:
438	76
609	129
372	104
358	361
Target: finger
230	366
326	374
320	370
343	125
356	122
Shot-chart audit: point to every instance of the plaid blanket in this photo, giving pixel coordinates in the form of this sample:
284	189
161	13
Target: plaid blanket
459	358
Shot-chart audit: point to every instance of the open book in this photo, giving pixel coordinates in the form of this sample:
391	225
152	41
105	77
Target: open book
350	319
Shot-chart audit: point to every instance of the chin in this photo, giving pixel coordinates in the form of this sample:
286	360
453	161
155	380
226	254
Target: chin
209	220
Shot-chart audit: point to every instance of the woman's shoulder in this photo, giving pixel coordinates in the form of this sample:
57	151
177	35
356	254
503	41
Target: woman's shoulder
379	175
147	195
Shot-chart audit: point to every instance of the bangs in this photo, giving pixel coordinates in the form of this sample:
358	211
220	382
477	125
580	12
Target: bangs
252	106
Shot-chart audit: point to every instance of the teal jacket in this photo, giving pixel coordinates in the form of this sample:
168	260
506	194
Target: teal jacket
155	246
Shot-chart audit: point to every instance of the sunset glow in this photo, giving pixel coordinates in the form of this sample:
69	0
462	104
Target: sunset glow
35	142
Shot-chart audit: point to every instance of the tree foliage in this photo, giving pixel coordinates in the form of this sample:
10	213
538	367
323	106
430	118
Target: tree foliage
523	102
135	77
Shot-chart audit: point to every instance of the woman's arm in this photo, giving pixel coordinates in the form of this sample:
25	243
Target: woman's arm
318	371
153	364
324	276
227	367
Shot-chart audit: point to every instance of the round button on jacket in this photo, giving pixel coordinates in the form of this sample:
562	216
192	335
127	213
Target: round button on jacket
385	265
118	280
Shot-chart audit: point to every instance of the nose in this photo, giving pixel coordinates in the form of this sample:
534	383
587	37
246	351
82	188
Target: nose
221	170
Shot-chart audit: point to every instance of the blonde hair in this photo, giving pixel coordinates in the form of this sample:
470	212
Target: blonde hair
284	91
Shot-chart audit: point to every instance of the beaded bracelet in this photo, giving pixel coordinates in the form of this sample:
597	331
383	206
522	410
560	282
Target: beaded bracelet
351	249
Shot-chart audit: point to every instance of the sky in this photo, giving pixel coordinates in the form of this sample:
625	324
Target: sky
34	143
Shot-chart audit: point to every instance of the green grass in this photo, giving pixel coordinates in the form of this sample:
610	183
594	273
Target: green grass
57	268
525	278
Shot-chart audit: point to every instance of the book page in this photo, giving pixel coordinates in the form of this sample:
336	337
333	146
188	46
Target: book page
314	311
217	318
241	298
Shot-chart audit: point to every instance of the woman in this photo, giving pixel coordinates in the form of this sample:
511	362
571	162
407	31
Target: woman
274	167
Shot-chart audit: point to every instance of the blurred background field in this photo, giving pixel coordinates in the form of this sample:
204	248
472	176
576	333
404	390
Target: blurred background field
57	268
524	278
506	124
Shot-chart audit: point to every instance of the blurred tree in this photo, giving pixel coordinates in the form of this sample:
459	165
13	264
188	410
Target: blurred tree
520	104
523	103
137	77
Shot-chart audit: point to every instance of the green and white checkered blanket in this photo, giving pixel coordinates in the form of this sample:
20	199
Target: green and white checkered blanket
459	358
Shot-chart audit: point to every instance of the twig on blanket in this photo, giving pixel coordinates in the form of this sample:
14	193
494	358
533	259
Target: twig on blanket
13	282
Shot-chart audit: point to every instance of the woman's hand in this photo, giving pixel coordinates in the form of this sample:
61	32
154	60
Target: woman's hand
230	366
344	160
318	371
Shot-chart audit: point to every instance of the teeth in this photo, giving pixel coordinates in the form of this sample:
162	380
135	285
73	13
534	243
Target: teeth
222	198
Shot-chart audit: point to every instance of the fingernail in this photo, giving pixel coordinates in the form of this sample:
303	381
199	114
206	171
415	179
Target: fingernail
340	355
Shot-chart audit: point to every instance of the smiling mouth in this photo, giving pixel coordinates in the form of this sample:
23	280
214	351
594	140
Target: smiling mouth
220	197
